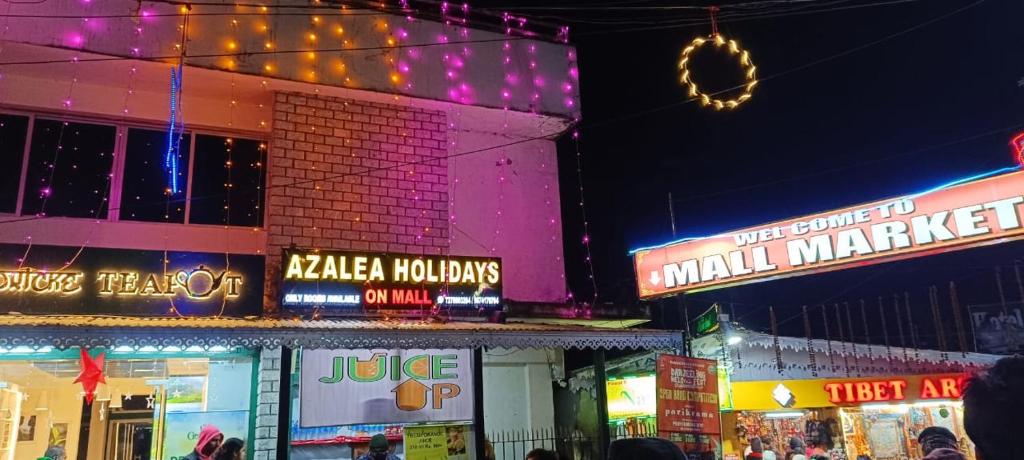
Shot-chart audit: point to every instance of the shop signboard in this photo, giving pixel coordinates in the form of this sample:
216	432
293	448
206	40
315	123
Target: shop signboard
819	393
342	283
997	328
687	395
345	387
631	397
707	322
961	215
75	280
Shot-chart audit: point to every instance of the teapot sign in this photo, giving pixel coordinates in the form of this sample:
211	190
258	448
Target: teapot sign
72	280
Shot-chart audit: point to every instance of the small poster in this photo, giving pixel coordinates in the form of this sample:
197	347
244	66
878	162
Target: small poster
457	439
27	428
687	395
426	443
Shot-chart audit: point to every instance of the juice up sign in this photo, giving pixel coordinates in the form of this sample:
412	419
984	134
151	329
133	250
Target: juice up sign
967	214
345	387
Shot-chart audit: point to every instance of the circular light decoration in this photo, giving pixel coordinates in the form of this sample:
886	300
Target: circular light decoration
734	49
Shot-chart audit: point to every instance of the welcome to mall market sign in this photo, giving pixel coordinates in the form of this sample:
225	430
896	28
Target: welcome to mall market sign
959	216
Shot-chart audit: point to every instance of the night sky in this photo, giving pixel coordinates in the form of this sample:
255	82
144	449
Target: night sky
855	104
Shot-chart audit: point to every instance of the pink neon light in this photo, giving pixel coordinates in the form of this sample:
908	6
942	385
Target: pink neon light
1018	146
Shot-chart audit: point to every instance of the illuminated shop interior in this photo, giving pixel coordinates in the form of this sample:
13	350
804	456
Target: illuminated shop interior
152	404
890	430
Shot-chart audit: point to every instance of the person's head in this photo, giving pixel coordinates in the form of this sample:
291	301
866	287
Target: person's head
231	449
766	442
209	440
796	444
936	437
992	405
379	447
541	454
755	445
645	448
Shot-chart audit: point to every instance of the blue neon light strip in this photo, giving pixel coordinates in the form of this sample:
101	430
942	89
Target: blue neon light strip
171	157
913	195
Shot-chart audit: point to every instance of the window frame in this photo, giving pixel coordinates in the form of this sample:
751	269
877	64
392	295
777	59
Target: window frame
120	159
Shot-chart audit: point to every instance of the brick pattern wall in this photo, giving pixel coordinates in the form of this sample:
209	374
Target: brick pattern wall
355	175
268	396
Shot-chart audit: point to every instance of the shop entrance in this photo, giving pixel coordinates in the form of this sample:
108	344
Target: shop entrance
129	439
151	407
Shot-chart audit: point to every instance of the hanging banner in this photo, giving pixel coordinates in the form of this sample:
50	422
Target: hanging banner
346	387
75	280
961	215
687	395
996	329
343	283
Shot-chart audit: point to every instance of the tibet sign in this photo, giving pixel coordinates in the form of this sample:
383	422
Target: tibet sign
89	281
355	282
345	387
964	215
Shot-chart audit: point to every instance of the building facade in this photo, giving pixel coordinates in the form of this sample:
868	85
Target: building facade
196	199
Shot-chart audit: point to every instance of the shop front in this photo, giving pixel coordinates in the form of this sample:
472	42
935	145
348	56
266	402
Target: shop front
878	417
77	383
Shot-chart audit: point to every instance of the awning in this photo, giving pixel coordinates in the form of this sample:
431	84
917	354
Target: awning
110	331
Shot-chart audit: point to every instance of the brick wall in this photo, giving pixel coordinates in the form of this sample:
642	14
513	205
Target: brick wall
355	175
268	395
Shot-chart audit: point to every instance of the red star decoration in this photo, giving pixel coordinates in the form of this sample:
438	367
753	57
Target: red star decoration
91	374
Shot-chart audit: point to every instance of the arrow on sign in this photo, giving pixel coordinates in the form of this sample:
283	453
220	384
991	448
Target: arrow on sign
411	395
655	278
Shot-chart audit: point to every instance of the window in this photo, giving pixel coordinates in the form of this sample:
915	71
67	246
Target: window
150	403
13	130
69	169
228	181
74	166
145	192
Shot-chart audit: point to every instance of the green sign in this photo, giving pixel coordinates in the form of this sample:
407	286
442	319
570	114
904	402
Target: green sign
707	322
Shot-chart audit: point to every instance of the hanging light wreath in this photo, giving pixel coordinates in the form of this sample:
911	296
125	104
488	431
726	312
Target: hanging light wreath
734	49
719	41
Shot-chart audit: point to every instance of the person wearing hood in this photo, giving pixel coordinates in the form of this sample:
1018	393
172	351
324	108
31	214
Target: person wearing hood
210	438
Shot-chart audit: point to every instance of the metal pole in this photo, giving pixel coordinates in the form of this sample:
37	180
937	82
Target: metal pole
284	425
601	386
479	436
672	215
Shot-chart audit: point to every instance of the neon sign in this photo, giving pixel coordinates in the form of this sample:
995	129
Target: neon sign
984	209
40	282
893	390
349	283
130	282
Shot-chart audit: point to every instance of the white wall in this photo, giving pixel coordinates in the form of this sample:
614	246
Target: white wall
518	389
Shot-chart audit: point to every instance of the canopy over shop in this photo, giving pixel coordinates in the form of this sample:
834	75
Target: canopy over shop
845	398
273	351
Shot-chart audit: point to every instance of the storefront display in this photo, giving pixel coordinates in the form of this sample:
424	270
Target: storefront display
423	394
883	431
879	417
145	404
